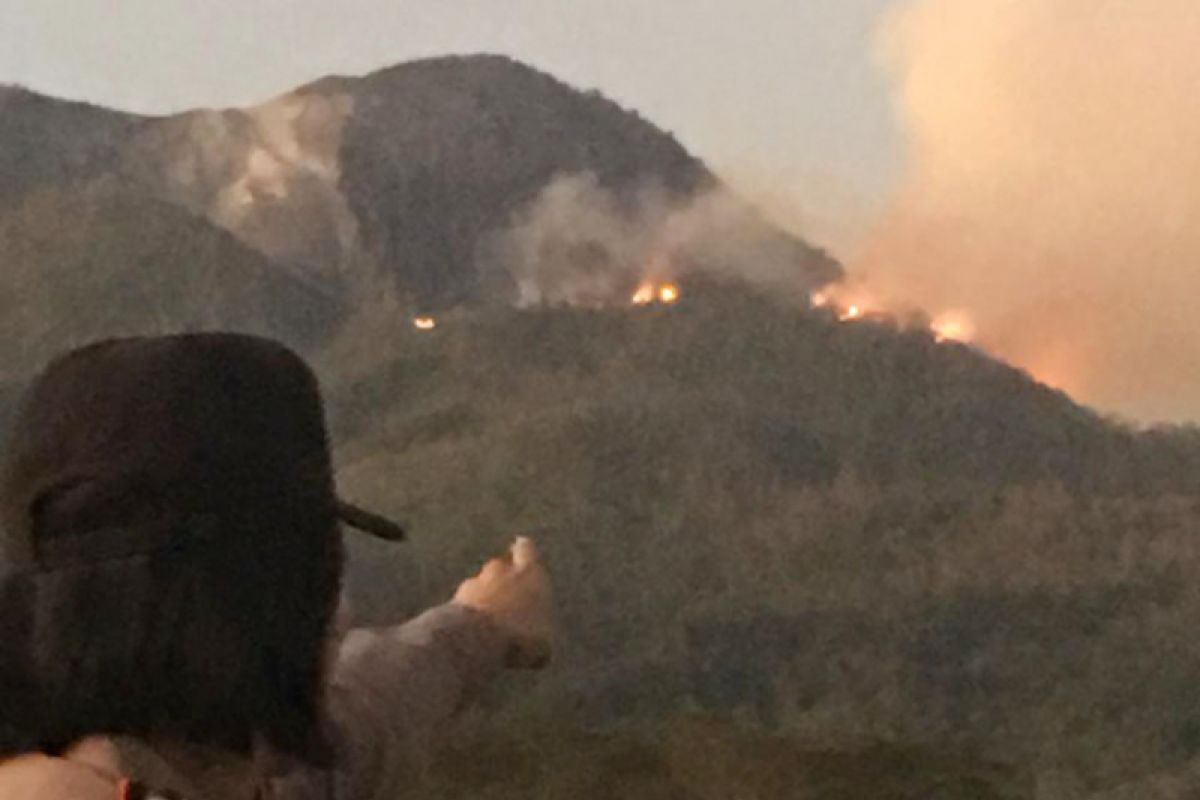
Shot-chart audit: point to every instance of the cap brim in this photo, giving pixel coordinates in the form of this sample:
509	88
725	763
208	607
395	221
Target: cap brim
368	522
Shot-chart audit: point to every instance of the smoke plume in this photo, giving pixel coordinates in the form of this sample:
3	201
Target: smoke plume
269	174
1054	189
580	243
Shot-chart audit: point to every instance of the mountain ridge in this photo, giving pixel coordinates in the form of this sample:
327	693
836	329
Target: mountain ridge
843	529
403	172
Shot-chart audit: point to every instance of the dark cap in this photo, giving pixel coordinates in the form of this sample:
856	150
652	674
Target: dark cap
116	442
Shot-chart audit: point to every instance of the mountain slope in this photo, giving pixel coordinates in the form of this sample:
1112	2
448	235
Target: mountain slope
439	152
49	142
758	511
406	174
81	265
849	531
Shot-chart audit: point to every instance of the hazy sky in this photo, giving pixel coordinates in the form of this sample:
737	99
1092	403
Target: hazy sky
783	97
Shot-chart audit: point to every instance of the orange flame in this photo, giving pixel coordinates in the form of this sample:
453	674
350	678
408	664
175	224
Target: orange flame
644	294
424	323
952	327
649	292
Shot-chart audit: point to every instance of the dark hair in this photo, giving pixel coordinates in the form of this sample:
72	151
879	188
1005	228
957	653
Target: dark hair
173	551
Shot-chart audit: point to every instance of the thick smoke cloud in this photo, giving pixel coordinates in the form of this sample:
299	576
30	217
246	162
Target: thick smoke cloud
269	174
1054	189
580	243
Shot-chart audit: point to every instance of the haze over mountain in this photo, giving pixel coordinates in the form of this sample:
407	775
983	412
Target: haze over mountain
403	173
1050	189
844	529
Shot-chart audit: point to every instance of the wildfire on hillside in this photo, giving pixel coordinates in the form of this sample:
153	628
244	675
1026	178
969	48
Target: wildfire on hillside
851	312
856	305
424	323
649	292
952	327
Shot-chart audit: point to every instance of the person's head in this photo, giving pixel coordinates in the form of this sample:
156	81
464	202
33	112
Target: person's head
172	556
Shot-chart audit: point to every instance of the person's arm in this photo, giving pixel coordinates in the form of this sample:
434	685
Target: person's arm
395	692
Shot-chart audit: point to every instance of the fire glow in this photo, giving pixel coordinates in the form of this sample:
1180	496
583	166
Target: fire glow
424	323
850	313
649	292
951	326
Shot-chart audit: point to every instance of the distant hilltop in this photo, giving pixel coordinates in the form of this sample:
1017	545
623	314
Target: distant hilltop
407	175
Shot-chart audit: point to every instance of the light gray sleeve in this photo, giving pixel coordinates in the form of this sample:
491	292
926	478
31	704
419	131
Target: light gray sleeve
395	692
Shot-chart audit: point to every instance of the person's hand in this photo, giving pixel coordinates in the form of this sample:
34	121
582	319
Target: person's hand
514	590
36	775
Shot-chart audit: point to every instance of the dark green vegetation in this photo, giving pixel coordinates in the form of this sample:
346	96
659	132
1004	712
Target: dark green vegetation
842	531
795	558
76	265
425	131
694	758
46	142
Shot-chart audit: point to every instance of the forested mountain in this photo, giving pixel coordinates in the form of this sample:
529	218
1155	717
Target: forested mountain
835	552
49	142
403	173
841	530
76	265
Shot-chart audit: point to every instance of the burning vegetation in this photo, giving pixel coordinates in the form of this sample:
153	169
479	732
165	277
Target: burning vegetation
649	292
950	326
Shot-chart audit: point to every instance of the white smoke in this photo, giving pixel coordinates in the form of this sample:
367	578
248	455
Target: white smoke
1053	187
270	175
579	243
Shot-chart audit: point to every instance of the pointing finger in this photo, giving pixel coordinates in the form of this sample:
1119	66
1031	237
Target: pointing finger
523	551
